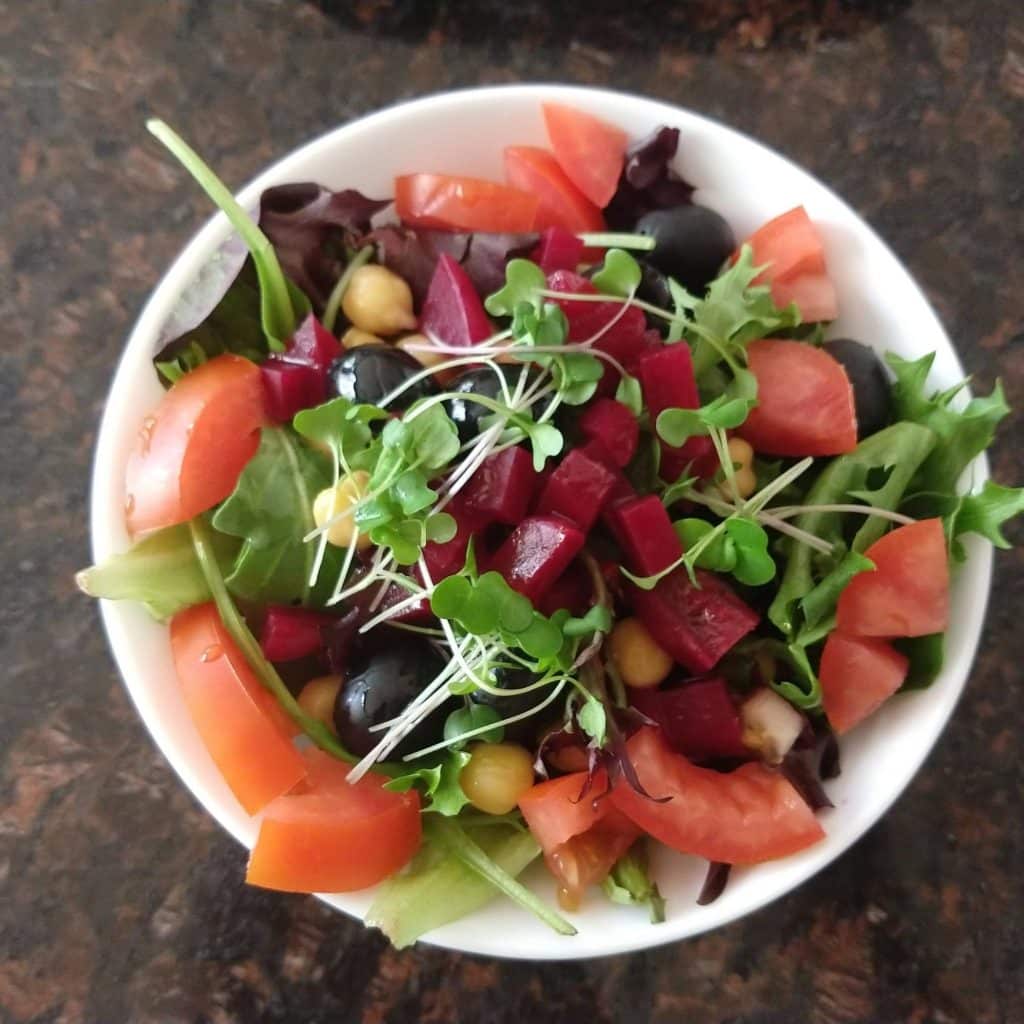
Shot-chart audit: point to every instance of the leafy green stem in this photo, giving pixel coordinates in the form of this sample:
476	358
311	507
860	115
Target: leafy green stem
341	286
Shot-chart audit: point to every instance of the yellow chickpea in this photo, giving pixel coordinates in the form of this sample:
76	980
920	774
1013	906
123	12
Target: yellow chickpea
317	698
424	356
355	338
496	776
744	478
378	301
332	501
641	661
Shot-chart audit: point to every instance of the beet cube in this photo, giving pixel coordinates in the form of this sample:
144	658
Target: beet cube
503	487
577	489
644	532
536	553
313	345
558	249
614	426
290	633
290	387
452	310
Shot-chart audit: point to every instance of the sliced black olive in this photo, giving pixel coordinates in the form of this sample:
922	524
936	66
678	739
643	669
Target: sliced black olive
872	392
380	685
368	373
466	414
691	244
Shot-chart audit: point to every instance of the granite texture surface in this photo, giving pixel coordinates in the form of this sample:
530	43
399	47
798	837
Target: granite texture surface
119	899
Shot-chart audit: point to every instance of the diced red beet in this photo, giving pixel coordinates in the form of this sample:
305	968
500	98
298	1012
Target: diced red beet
448	558
290	387
558	249
503	487
571	590
614	426
312	345
577	489
536	553
452	310
622	491
289	633
644	532
668	382
699	718
695	624
418	612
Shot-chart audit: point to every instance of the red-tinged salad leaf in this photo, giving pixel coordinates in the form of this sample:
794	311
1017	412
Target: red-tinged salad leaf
311	228
648	181
715	882
413	254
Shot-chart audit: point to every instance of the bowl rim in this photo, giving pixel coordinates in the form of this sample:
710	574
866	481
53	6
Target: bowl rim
107	534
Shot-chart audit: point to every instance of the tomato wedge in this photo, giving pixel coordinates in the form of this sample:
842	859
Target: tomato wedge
190	451
589	150
907	593
581	838
804	401
857	675
243	727
334	837
562	205
450	201
745	816
814	295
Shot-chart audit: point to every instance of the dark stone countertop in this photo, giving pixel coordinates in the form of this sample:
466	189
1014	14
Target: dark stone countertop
120	899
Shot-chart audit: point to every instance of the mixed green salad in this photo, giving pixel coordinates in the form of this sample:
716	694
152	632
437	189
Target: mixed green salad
493	520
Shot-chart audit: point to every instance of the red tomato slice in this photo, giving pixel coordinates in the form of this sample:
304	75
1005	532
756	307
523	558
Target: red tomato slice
450	201
907	594
589	150
190	451
562	205
804	401
788	246
744	816
241	724
335	837
857	675
814	295
581	838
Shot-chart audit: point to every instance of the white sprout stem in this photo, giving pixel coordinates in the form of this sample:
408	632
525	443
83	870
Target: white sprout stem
647	307
511	720
394	610
321	547
791	511
617	240
797	534
779	484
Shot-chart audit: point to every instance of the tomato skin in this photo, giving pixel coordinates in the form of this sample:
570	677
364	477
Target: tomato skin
191	449
243	727
562	205
907	593
555	811
450	201
335	837
744	816
857	675
589	150
814	295
804	401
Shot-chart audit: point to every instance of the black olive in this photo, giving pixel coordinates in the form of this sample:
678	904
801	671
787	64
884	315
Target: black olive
379	687
466	415
368	373
654	288
872	392
691	243
527	730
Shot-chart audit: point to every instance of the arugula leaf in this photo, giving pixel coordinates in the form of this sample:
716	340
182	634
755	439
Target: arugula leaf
984	513
818	606
619	274
271	510
962	435
160	572
281	303
440	784
904	447
524	281
630	883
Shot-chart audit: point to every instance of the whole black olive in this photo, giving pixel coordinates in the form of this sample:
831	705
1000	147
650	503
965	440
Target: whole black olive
368	373
527	730
466	415
654	288
379	687
872	392
691	243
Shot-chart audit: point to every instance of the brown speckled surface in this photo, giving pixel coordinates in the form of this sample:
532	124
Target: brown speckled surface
119	899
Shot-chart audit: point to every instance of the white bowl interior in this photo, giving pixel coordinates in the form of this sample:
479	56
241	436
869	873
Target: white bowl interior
880	304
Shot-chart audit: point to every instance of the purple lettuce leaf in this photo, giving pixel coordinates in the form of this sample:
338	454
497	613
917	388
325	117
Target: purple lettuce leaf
648	182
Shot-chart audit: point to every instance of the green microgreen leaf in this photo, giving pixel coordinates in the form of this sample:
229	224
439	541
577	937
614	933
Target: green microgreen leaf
630	394
619	274
754	566
473	716
524	281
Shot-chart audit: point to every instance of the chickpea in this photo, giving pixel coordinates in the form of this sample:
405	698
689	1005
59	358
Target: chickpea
641	662
744	478
355	338
332	501
496	776
318	696
425	357
378	301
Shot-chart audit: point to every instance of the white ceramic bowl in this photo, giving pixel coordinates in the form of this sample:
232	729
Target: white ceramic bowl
464	132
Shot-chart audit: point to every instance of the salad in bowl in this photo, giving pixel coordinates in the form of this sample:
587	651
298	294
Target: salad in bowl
542	516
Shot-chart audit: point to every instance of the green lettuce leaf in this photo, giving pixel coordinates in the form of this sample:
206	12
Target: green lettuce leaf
439	784
926	654
630	883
